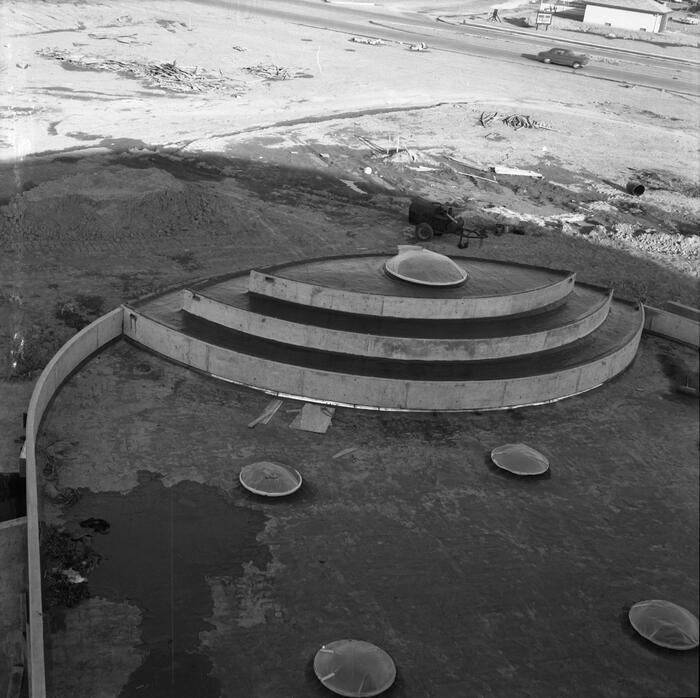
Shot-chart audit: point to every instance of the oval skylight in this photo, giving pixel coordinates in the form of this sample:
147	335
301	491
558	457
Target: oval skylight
520	459
270	479
420	266
665	624
354	668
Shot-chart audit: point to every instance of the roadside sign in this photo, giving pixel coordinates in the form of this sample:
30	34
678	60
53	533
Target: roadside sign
544	18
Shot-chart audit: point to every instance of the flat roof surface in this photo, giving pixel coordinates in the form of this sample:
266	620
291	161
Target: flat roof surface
476	582
365	274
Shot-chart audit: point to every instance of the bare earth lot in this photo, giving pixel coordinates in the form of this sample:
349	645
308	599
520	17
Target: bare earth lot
474	583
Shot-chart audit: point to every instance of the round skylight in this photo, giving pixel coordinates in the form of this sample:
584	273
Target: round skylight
270	479
520	459
420	266
665	624
354	668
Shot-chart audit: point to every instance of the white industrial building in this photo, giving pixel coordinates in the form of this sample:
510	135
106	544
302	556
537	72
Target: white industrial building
638	15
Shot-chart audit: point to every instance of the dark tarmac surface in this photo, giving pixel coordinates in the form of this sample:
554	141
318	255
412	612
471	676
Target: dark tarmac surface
475	581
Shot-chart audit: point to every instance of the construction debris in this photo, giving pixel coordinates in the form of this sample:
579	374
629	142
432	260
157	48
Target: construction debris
353	186
344	452
515	121
270	71
470	174
369	42
316	418
498	169
267	414
167	76
372	146
418	47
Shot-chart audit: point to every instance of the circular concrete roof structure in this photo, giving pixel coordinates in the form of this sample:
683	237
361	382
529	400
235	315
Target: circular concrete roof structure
520	459
354	668
270	479
417	265
665	624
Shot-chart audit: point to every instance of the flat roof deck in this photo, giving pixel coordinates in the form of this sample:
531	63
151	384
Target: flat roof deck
475	582
365	273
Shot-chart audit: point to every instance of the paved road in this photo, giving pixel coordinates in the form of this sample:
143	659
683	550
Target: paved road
663	73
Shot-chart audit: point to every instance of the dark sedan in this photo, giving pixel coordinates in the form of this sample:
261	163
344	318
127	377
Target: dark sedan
562	56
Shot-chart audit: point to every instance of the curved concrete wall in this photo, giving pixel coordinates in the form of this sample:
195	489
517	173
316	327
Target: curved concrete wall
401	348
672	325
369	391
88	341
280	288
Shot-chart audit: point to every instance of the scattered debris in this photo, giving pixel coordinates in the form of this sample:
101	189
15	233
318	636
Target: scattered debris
67	564
269	71
418	47
96	525
267	414
313	417
473	176
372	146
344	452
515	121
240	49
498	169
365	40
23	66
422	168
121	38
470	174
353	186
167	76
73	577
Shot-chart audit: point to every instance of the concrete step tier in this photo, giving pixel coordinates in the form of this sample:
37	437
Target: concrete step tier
359	285
562	345
585	309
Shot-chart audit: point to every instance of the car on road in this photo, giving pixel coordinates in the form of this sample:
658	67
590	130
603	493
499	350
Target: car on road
563	56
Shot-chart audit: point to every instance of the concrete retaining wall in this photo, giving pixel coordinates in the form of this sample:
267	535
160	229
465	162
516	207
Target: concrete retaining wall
682	328
280	288
88	341
373	392
386	347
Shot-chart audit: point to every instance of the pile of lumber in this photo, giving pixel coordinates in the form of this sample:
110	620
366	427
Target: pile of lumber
515	121
269	71
167	76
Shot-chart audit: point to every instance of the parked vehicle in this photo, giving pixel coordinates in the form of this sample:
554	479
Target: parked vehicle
563	56
433	218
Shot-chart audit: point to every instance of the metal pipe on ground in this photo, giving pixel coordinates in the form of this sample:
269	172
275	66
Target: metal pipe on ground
635	188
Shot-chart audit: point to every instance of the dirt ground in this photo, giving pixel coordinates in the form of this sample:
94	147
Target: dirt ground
403	534
143	188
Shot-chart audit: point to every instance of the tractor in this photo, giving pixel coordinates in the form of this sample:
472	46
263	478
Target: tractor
433	218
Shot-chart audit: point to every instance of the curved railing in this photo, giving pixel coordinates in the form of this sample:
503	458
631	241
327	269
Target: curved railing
69	357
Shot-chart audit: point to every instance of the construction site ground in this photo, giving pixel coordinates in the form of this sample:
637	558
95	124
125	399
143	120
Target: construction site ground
474	582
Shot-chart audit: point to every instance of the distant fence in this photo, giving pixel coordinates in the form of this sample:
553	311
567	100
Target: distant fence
69	357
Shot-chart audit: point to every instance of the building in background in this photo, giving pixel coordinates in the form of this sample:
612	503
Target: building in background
637	15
